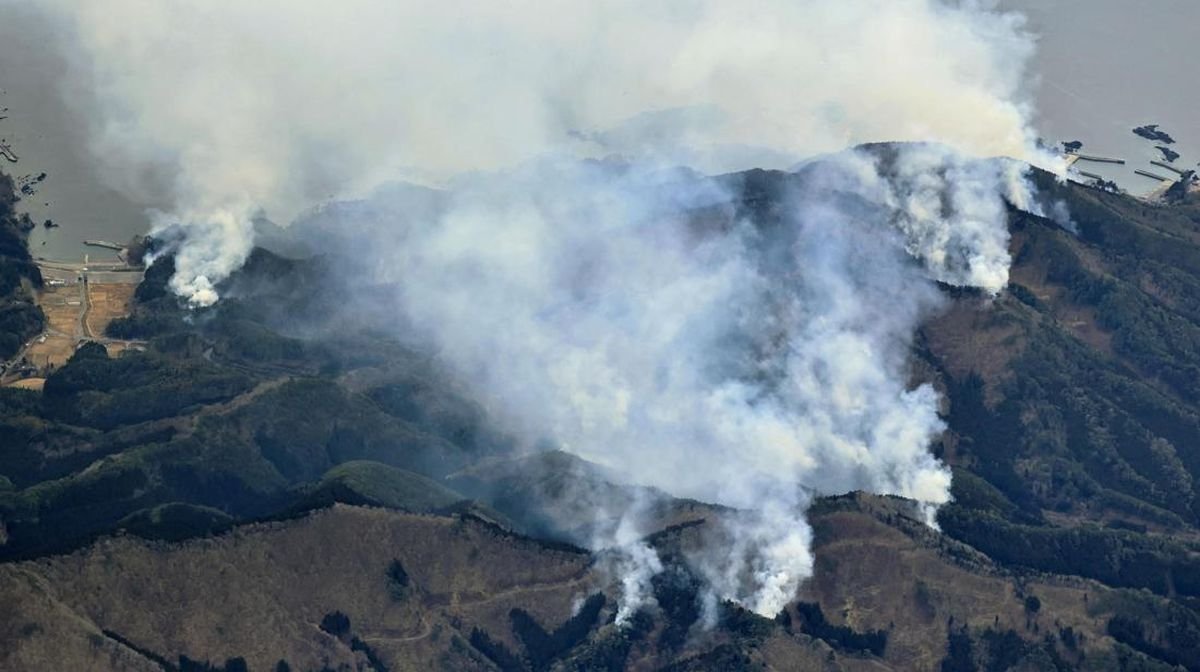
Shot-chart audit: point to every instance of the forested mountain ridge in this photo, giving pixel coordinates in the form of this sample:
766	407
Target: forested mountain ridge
1074	396
327	497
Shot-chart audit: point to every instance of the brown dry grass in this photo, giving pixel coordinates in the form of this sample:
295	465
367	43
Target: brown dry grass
52	353
969	337
1080	321
35	384
62	306
45	634
261	591
872	576
108	302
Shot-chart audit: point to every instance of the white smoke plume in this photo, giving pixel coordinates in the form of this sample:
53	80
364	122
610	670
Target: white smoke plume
640	320
745	363
278	105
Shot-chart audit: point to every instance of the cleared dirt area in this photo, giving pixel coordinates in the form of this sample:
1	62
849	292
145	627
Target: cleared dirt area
62	306
69	320
108	302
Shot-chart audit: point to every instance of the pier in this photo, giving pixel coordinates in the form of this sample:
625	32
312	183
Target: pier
104	243
1153	176
1169	167
1091	175
1099	159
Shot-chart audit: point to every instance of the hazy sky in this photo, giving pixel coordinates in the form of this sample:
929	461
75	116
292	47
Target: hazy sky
1104	65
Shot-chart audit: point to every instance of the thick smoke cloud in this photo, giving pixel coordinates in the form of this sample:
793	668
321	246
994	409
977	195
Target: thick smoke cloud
647	321
629	313
237	108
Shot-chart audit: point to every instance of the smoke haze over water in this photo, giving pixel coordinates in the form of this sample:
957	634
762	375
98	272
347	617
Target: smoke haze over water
631	313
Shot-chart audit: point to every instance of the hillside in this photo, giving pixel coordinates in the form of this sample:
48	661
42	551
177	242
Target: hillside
275	479
260	593
19	318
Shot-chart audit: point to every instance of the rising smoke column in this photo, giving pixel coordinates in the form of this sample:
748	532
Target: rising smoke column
647	321
746	366
227	110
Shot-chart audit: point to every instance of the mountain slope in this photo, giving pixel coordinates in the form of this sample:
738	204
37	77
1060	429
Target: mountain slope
245	429
261	593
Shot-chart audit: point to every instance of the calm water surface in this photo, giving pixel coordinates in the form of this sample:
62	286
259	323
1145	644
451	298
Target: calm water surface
48	136
1106	66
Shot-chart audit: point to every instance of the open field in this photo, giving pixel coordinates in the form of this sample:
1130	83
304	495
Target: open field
72	316
35	384
107	302
51	353
62	306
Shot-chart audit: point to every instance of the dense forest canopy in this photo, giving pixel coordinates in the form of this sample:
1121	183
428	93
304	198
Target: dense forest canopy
19	317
